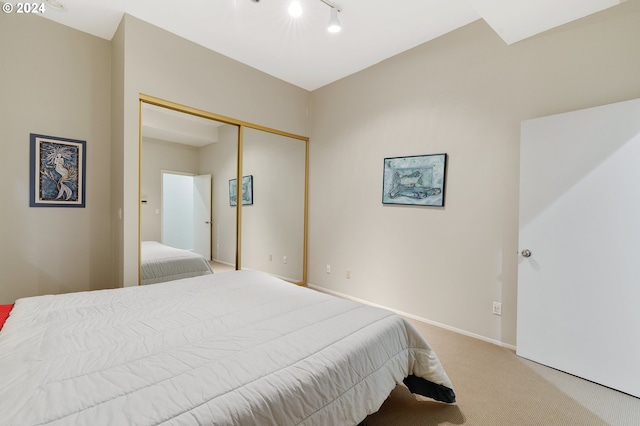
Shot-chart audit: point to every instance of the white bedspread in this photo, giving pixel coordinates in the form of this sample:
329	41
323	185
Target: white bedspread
236	348
160	263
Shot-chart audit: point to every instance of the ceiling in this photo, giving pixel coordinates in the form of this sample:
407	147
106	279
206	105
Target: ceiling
263	35
173	126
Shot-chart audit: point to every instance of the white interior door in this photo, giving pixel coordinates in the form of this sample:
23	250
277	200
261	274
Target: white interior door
202	215
177	210
579	291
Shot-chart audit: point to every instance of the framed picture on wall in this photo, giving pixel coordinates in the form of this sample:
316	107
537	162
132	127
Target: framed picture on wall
247	191
57	172
417	180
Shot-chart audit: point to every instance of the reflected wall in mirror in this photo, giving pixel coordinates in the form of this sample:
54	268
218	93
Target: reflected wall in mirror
181	142
185	164
221	161
273	227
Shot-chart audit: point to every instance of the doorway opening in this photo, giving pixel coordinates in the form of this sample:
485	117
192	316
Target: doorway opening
186	212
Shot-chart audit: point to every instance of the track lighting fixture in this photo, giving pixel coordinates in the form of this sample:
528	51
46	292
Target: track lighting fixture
295	10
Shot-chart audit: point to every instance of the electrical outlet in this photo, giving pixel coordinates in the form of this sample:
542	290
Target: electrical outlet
328	269
348	274
270	258
284	260
497	308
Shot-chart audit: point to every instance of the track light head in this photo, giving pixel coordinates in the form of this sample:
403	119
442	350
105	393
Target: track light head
334	22
295	8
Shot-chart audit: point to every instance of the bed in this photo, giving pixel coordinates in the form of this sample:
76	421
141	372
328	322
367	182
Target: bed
160	263
235	348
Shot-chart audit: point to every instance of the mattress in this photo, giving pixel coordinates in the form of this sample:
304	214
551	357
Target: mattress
160	263
235	348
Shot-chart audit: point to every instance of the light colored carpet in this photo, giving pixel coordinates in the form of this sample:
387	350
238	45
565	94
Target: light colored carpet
496	387
218	267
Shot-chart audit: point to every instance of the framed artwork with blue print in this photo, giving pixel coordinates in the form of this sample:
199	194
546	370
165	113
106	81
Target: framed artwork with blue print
417	180
247	191
57	172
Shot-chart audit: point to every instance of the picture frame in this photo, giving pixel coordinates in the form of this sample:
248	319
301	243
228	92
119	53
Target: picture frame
57	171
247	191
417	180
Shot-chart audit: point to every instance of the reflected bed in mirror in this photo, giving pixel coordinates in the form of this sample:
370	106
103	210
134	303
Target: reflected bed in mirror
160	263
185	161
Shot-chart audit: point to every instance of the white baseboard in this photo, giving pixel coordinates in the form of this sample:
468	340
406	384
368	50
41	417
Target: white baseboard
414	317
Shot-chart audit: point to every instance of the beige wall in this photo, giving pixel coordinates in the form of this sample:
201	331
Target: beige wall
53	81
117	153
464	94
160	64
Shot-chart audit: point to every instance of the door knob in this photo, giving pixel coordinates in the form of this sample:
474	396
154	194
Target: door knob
526	253
208	222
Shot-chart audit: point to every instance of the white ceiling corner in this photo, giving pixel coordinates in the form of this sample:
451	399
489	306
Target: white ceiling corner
515	20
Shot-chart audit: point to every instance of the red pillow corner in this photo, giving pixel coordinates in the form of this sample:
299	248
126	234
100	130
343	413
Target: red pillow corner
4	313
